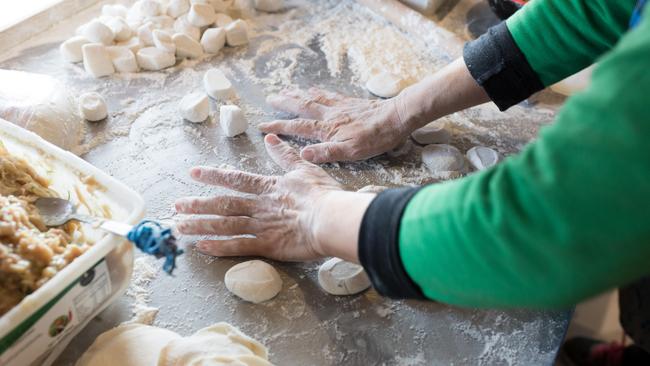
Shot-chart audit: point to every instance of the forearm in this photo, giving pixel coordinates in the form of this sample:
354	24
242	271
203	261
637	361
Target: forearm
339	215
450	90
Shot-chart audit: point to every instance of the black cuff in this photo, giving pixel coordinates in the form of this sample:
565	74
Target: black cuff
498	65
379	245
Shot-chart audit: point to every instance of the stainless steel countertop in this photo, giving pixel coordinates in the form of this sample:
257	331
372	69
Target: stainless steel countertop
150	149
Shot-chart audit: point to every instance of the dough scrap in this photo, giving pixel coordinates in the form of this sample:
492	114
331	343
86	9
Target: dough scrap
338	277
144	345
92	107
255	281
481	157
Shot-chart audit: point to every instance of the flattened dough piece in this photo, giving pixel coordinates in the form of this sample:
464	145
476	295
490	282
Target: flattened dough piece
214	345
482	157
444	161
432	133
128	345
255	281
338	277
385	85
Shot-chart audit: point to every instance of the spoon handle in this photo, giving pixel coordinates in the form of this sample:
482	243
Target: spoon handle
112	227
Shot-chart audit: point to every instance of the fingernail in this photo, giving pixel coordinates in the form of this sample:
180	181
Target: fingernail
307	154
272	139
195	173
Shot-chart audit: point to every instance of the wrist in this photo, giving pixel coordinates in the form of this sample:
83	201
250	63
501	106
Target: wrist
337	220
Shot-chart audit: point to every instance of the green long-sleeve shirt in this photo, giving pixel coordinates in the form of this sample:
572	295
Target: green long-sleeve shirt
569	216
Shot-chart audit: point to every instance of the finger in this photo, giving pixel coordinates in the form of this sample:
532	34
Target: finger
300	106
233	225
308	128
233	179
325	97
229	247
283	154
219	205
328	152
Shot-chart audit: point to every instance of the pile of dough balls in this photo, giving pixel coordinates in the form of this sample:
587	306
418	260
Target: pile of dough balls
154	34
445	161
138	345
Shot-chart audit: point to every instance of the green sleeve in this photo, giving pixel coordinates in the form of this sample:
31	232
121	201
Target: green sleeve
562	37
567	218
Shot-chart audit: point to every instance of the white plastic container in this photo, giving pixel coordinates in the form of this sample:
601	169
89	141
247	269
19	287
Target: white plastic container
37	330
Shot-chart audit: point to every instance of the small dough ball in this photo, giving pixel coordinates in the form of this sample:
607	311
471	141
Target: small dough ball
217	85
213	40
338	277
222	20
232	120
237	33
181	25
433	133
195	107
154	59
163	40
176	8
97	62
372	189
124	346
269	6
444	161
186	46
385	85
253	281
71	49
220	342
98	32
201	15
120	28
481	157
123	59
92	107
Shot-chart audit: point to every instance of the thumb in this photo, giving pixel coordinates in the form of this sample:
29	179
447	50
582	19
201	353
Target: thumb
327	152
283	154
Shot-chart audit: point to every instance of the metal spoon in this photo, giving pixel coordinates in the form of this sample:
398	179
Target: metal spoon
57	211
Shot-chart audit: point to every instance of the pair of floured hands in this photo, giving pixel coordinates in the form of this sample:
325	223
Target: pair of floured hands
278	218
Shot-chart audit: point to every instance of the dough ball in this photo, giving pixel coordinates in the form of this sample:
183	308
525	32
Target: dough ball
71	49
372	189
186	46
338	277
237	33
433	133
481	157
385	85
213	346
232	120
128	345
253	281
444	161
97	62
154	59
213	40
217	85
195	107
92	107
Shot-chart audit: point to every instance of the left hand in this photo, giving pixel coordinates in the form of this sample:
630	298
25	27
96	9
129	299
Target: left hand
281	212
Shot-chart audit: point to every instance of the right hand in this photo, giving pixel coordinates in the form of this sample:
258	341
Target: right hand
349	128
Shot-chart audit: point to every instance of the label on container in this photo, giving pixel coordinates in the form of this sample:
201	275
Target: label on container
46	326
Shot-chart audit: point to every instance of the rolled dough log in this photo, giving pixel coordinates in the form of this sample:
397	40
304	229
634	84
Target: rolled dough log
253	281
92	107
338	277
481	157
433	133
